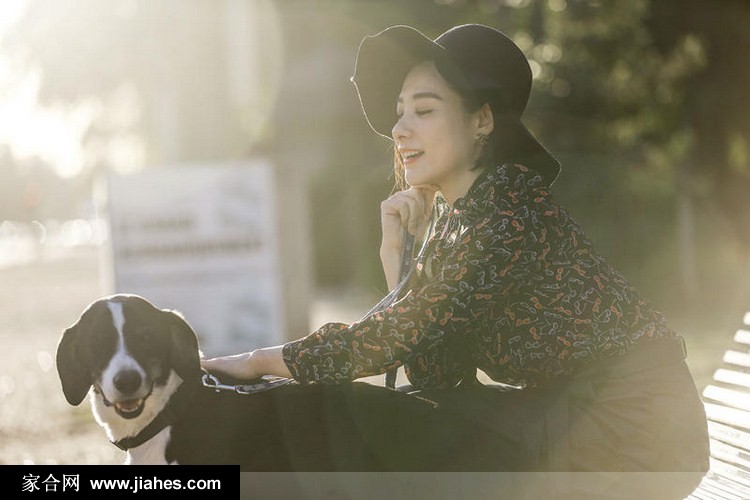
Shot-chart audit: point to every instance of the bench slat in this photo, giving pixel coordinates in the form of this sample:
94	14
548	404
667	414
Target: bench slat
710	490
722	468
731	455
728	484
737	358
729	397
729	489
707	492
726	415
727	405
732	377
730	435
742	336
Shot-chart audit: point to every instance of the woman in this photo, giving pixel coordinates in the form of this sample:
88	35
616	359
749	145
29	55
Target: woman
506	281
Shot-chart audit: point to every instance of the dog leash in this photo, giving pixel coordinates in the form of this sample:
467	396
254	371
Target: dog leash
404	276
265	383
407	254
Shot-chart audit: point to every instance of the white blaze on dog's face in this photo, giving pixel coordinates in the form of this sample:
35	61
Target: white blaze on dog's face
132	354
124	383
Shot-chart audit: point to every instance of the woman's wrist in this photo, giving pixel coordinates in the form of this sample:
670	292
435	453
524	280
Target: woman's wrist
387	249
391	262
270	361
250	365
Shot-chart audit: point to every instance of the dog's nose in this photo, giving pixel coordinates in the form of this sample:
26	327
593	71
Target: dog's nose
127	381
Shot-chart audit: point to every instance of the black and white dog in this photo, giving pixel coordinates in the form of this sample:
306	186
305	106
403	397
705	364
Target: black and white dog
140	366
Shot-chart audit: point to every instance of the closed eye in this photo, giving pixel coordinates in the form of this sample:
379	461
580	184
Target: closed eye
421	112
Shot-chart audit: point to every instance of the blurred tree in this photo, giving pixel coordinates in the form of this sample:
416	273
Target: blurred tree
643	102
715	104
614	102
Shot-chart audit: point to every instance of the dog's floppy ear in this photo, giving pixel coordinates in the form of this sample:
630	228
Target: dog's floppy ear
184	352
73	371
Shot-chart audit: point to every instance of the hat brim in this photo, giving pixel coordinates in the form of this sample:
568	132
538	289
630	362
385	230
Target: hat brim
531	153
383	60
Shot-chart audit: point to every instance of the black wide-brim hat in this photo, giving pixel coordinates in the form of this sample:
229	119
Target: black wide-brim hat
489	62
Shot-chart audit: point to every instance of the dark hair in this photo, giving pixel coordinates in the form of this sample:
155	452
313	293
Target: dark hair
473	99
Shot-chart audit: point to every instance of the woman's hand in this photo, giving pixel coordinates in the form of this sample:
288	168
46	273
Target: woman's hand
409	209
249	365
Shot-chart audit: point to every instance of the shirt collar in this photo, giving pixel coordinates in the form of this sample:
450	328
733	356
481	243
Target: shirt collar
508	176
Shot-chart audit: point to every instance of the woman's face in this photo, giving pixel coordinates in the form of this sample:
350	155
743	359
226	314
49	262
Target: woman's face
434	135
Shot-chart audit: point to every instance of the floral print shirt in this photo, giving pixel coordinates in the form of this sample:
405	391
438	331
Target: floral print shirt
507	283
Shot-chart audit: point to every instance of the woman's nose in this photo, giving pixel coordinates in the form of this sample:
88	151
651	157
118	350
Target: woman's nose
400	128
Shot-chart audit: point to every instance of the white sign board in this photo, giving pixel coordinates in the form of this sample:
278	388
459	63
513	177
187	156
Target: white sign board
202	240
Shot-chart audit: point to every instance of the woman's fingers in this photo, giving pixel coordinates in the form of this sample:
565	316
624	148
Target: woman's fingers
413	213
428	198
412	207
408	209
391	221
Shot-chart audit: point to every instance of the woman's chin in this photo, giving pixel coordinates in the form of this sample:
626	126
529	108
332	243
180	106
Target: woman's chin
415	180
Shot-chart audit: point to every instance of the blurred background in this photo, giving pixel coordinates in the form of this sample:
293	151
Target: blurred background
645	103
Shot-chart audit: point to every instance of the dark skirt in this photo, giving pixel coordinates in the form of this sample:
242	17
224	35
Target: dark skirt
639	412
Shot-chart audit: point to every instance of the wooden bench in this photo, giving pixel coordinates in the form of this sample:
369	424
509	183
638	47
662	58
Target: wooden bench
727	403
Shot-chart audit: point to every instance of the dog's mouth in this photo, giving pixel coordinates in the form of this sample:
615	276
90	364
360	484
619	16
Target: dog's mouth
130	408
127	408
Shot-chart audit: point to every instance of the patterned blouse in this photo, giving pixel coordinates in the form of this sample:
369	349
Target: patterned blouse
507	283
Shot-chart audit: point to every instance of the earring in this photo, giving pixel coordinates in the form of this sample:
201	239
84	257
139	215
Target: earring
483	139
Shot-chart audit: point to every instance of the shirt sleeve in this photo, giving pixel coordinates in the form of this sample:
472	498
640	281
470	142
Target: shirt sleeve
427	329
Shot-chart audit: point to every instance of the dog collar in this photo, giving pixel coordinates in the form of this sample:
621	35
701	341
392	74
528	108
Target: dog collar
168	416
